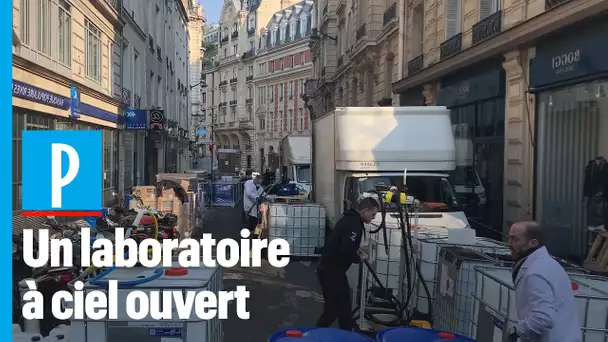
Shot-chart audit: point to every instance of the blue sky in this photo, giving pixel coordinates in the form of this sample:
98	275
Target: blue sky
212	9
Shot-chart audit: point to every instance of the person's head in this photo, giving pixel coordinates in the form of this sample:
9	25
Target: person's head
525	237
368	208
257	179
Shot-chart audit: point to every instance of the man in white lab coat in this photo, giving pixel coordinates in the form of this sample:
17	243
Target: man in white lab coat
545	300
251	191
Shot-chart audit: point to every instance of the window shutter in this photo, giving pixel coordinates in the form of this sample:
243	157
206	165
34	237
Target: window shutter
485	9
452	26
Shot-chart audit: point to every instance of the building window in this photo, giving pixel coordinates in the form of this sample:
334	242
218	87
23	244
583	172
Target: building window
273	37
303	23
452	18
487	8
64	32
292	29
281	118
283	30
110	67
281	92
25	22
302	58
300	119
292	61
44	26
290	118
290	90
92	51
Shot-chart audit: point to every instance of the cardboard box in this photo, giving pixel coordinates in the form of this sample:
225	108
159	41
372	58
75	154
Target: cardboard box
145	192
166	204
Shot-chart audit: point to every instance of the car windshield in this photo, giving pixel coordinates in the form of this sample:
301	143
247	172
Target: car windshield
464	175
303	174
434	192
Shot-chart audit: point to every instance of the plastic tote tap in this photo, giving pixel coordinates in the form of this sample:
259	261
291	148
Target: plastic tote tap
418	335
317	335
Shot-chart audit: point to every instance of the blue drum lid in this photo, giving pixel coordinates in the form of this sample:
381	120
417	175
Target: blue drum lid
318	335
418	335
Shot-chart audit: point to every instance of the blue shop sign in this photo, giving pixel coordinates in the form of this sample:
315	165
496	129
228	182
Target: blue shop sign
575	57
32	93
74	103
136	119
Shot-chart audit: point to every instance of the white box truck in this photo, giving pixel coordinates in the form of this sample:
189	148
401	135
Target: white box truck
358	149
295	161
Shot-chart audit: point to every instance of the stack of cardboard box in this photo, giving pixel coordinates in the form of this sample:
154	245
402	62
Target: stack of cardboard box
185	212
147	193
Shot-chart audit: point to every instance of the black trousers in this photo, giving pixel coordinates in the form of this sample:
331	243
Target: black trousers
252	223
336	298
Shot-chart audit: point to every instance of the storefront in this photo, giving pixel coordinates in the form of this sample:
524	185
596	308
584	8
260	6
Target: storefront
476	101
35	108
569	77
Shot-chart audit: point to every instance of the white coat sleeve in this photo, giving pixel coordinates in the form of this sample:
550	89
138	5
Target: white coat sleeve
250	191
541	317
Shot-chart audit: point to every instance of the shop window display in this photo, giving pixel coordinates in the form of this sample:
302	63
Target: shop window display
571	168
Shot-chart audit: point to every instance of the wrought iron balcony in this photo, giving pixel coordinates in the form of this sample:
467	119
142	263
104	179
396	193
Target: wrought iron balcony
159	53
136	101
390	14
126	96
233	80
450	47
487	28
233	102
415	65
248	54
151	43
223	83
249	78
361	32
222	104
249	101
224	40
234	34
549	4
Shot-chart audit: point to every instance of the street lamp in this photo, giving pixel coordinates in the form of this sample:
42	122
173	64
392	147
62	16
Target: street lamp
317	35
202	83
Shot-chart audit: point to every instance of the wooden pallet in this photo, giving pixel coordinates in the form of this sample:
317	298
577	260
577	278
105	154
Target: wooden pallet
597	259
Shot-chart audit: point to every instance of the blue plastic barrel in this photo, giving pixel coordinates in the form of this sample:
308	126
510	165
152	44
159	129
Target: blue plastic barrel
317	335
418	335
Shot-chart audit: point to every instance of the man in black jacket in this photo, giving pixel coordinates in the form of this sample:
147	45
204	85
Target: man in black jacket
340	252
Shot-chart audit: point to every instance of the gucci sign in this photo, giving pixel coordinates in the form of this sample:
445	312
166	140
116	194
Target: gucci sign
565	62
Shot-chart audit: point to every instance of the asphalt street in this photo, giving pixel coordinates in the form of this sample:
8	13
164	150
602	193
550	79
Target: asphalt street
280	298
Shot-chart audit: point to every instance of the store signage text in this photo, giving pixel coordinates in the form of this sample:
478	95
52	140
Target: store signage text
566	62
35	94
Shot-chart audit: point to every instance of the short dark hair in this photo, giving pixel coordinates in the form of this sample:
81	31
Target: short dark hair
248	172
368	203
533	231
257	176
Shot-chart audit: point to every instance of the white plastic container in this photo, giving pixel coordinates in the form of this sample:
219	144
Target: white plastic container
494	308
149	330
302	225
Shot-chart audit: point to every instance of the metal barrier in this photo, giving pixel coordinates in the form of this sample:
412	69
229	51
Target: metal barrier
220	194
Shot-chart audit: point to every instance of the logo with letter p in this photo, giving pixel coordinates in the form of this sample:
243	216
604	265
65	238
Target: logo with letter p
62	172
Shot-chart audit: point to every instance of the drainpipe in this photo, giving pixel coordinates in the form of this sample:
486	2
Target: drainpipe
402	38
119	186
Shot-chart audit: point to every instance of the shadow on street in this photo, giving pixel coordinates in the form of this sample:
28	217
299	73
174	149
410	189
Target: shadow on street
279	298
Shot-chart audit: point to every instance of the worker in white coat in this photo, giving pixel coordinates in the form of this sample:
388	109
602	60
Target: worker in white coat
251	191
545	300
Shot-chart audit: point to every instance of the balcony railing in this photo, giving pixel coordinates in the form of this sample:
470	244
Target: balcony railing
233	80
222	104
223	83
251	32
248	54
224	40
159	53
249	78
233	102
126	96
390	14
487	28
415	65
249	101
151	43
549	4
136	101
234	34
450	47
361	32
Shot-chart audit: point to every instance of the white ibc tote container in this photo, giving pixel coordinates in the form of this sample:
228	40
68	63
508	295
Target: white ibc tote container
302	225
150	330
494	309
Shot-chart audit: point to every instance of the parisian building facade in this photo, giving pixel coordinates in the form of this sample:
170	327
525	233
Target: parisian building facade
119	56
253	85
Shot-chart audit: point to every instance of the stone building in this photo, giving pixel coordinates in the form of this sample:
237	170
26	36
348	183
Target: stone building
356	52
526	85
283	63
